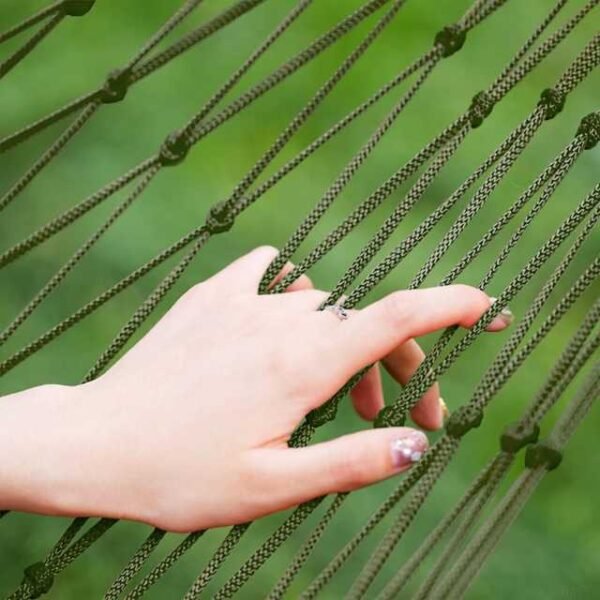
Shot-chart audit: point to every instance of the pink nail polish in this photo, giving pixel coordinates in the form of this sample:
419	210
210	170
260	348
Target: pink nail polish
408	449
502	320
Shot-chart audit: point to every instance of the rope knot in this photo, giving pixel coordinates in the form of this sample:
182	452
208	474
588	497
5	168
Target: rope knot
38	578
518	435
115	87
590	128
553	102
219	218
464	419
390	417
174	149
324	414
482	105
451	39
543	454
77	8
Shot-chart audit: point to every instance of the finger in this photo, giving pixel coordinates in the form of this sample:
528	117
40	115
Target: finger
294	475
367	394
303	282
401	363
374	332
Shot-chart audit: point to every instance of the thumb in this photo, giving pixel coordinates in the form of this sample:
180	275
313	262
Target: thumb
295	475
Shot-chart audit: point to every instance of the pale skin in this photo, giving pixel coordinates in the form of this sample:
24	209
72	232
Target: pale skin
189	429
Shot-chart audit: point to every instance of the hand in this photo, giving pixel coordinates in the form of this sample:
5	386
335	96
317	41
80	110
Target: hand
189	429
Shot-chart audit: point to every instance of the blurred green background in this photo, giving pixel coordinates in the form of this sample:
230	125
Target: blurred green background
553	550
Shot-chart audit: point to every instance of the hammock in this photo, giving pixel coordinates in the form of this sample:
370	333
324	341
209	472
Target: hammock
466	539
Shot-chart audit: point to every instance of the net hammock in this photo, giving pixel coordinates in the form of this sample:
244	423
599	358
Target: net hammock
467	535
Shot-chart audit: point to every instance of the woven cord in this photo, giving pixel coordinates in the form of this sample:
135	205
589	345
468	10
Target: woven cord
578	71
422	381
425	486
569	164
479	548
448	446
199	232
576	290
546	398
306	549
134	565
476	493
137	73
95	104
60	275
14	59
407	483
474	115
169	281
85	115
32	20
55	281
301	59
163	566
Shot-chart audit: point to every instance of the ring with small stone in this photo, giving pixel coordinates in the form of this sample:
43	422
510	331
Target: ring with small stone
338	310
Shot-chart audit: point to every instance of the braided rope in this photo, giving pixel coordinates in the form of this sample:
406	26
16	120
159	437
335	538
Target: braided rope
7	65
137	73
39	577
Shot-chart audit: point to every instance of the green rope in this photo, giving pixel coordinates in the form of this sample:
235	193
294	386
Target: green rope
544	401
32	20
576	290
161	568
479	548
39	577
503	83
138	73
183	140
305	550
114	90
475	493
7	65
200	232
145	181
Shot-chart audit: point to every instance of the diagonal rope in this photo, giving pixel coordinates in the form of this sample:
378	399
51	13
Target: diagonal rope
66	551
32	20
111	93
524	432
474	556
138	73
471	417
151	173
182	140
199	232
480	107
7	65
590	275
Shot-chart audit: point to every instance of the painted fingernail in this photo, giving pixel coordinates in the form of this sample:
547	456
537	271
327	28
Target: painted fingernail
445	411
408	449
503	319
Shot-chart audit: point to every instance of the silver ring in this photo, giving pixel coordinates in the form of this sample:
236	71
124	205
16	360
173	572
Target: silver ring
338	310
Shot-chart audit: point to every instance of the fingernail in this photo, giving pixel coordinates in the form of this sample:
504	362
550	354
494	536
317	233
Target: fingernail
408	449
503	319
445	411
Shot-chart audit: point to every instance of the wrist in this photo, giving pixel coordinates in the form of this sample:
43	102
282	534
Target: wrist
45	451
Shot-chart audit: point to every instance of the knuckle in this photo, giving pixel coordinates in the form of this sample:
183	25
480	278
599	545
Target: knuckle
397	310
478	302
353	469
267	250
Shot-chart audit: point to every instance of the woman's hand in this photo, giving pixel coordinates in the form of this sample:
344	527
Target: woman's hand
189	429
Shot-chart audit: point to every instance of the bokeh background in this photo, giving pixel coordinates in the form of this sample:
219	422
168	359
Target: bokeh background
553	550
